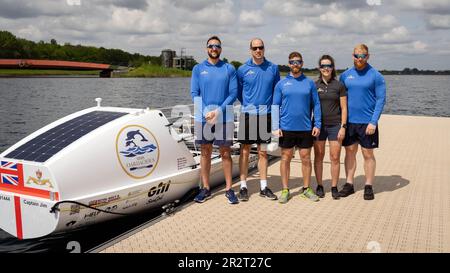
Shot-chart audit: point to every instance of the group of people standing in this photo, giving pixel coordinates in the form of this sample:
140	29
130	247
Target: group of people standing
300	112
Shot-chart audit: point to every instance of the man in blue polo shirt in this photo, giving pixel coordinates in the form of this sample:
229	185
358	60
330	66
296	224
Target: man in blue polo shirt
366	93
213	90
256	80
297	98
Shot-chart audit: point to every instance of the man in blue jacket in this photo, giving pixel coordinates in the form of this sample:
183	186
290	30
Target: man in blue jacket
256	81
297	98
213	90
366	93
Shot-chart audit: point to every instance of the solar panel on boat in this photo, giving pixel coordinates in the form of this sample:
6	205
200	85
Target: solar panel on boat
47	144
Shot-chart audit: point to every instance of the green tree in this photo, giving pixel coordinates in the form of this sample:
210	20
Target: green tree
236	64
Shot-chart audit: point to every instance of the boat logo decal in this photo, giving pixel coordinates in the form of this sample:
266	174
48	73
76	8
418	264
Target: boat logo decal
38	180
137	151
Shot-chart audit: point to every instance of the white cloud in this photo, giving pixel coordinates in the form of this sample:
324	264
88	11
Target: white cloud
398	35
313	27
251	18
357	21
136	21
427	6
412	48
292	8
439	21
216	14
301	28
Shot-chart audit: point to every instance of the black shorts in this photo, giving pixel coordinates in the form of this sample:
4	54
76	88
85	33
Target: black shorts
301	139
254	128
329	131
356	133
220	134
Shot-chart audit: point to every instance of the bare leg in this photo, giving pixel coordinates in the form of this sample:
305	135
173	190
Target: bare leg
305	156
205	164
262	163
286	157
227	164
319	154
350	162
369	165
243	161
335	157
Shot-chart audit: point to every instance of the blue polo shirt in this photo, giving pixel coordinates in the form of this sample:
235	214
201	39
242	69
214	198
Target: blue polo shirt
213	87
255	86
298	99
366	94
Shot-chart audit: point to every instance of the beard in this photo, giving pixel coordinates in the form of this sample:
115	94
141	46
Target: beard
214	57
295	70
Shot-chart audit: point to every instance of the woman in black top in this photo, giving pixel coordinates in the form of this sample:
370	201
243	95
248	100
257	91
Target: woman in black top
333	102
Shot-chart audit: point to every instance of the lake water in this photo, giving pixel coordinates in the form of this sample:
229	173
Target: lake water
28	104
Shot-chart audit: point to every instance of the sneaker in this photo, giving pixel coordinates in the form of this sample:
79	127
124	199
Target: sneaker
335	193
347	190
267	193
232	199
284	198
243	194
320	192
368	193
309	194
203	195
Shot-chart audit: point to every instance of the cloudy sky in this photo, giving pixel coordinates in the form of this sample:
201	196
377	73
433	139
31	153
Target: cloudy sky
399	33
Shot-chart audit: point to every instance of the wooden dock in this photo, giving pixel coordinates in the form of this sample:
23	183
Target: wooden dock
410	213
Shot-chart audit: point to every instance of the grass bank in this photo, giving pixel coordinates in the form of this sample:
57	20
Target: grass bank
151	71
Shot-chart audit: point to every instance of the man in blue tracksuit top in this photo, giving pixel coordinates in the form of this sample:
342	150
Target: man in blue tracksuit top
297	97
256	81
213	90
366	90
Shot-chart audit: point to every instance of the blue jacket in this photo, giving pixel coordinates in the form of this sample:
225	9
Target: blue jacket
255	86
212	87
366	94
297	98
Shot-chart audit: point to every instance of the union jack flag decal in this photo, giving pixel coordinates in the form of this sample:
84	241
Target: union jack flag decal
9	173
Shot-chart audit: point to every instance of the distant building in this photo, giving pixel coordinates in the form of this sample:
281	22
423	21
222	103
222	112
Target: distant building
167	56
170	59
183	62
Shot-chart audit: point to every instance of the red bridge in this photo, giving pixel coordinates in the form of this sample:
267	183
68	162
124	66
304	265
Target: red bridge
106	69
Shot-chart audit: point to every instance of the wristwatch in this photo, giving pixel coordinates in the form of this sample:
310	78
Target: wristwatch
344	126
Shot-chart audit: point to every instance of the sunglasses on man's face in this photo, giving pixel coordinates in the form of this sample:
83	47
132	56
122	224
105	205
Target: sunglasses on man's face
254	48
326	66
295	62
211	46
362	56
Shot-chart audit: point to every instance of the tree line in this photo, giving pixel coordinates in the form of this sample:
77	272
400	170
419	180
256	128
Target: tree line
12	47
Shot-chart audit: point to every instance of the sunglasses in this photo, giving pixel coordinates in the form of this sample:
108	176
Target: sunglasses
254	48
362	56
295	62
215	46
326	66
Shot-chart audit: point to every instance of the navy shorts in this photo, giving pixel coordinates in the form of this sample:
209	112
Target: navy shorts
329	131
254	129
356	133
219	134
291	139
